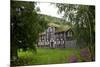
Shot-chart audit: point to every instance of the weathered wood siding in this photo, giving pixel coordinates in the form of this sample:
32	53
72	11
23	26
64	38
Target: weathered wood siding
53	39
70	44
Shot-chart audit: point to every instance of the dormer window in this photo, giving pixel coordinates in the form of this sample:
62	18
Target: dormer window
50	29
69	34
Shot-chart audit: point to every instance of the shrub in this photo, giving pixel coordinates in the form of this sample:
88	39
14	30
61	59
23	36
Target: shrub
85	54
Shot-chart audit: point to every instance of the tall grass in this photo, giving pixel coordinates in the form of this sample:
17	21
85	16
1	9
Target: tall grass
47	56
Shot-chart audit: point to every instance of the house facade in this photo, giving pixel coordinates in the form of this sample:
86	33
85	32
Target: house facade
55	38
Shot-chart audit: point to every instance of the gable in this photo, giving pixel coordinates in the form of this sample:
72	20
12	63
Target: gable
60	27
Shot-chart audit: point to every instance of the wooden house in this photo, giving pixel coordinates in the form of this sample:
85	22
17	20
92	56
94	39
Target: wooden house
57	36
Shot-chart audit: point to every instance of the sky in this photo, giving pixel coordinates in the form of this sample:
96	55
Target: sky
48	9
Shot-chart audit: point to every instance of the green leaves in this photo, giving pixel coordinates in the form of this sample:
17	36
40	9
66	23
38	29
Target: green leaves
83	23
83	17
26	24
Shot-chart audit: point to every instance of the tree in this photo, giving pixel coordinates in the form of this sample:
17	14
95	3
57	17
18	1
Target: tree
26	24
83	23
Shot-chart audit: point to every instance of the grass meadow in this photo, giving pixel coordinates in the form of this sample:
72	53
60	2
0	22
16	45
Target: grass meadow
48	56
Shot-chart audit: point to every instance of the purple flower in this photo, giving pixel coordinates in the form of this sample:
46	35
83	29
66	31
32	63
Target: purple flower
85	53
73	58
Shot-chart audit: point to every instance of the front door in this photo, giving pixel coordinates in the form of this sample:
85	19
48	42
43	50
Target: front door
52	44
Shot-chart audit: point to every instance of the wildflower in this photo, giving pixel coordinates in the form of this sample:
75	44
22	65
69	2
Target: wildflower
85	54
72	59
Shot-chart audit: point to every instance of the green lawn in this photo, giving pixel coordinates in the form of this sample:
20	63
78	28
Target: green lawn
47	56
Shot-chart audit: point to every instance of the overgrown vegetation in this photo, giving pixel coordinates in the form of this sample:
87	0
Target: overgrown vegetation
26	24
82	18
49	56
25	27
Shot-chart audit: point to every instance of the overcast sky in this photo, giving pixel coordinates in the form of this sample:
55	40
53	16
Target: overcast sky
48	9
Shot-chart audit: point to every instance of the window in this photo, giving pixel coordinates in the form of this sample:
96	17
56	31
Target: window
57	36
50	29
69	34
62	41
42	38
58	42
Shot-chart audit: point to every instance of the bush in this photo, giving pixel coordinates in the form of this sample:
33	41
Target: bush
85	55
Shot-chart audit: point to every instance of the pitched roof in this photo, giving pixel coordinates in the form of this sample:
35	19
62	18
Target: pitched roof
59	27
